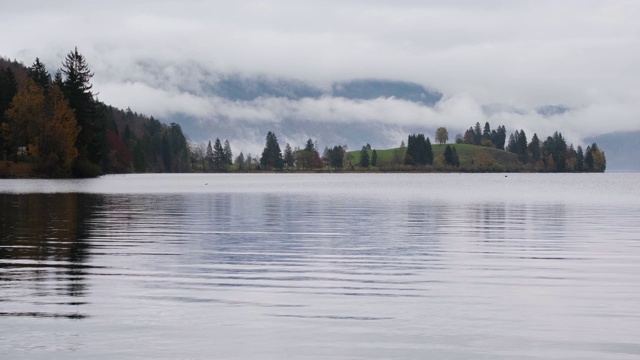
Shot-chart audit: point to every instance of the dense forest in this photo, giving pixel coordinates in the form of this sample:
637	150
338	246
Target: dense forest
54	126
57	125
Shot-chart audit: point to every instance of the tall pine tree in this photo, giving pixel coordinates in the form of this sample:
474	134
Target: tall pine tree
271	155
92	140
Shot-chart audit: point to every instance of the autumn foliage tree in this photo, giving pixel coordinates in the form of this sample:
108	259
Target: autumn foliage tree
44	126
442	135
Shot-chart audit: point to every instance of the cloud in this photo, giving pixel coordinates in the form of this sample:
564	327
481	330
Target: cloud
580	54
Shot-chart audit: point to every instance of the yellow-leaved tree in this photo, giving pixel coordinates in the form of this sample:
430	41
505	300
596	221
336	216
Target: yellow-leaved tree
43	125
26	114
56	147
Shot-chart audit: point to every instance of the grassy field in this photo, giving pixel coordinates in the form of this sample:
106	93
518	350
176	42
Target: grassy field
472	158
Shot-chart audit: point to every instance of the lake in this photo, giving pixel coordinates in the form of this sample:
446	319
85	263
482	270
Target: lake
318	266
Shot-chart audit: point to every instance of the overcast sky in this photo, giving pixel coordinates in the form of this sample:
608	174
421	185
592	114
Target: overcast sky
518	54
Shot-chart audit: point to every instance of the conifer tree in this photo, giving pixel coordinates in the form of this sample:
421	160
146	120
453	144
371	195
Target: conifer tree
336	157
364	157
208	155
240	161
91	142
448	155
534	148
289	159
39	74
456	159
486	132
228	155
428	150
271	155
579	159
219	157
374	158
477	133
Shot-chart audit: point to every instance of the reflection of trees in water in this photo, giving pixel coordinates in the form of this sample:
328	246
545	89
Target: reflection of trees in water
489	220
44	244
522	226
421	220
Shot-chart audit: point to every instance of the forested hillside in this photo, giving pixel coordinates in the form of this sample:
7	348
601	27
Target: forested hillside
56	124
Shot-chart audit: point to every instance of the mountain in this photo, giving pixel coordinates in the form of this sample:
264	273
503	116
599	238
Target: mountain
621	148
244	88
369	89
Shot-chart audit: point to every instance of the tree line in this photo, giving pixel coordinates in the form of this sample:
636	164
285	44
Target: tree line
57	124
552	155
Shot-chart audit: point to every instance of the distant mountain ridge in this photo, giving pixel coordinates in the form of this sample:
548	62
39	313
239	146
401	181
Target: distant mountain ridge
237	87
621	148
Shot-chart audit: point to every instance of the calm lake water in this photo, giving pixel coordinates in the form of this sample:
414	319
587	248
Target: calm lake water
339	266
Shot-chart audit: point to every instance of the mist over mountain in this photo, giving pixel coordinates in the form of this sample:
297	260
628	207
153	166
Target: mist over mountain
621	148
243	107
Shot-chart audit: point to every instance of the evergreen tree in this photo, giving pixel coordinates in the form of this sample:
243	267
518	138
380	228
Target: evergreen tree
588	159
555	147
310	146
511	145
560	152
228	155
271	155
448	155
411	155
91	142
336	157
57	79
374	158
486	133
419	150
518	145
579	159
208	155
572	154
289	159
240	161
477	134
175	150
498	137
364	157
39	74
521	146
451	156
219	157
456	159
534	148
428	150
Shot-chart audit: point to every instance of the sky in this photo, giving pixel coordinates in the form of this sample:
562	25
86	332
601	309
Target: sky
513	56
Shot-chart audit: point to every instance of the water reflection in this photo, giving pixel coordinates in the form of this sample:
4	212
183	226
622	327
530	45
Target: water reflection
317	273
44	250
